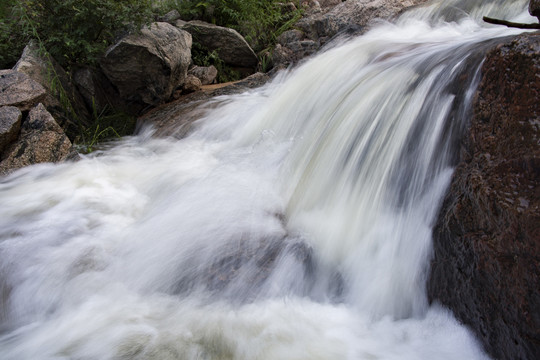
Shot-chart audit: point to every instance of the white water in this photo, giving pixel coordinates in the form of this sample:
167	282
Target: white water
293	223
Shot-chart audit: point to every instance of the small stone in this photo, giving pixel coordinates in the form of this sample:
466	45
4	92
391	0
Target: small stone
192	84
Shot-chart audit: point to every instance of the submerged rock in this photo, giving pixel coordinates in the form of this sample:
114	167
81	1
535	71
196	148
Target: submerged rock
486	265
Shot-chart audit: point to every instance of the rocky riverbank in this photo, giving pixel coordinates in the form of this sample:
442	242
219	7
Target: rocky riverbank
486	265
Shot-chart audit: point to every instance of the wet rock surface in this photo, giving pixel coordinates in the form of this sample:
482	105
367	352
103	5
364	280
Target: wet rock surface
176	118
486	265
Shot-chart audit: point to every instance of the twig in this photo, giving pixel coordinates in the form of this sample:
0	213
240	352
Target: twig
511	24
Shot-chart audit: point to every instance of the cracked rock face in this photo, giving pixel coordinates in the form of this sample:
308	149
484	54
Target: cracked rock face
486	264
17	89
147	67
41	140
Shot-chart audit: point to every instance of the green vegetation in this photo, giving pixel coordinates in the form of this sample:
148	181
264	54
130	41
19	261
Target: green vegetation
106	125
72	31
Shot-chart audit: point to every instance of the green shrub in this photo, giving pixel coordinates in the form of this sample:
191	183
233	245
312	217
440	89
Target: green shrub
73	31
107	124
12	40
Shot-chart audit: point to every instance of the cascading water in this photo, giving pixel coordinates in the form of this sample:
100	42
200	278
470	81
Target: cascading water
293	223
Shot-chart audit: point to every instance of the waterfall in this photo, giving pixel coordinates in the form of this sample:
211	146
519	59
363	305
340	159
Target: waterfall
293	222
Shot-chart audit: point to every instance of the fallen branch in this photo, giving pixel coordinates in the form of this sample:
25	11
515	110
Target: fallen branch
510	24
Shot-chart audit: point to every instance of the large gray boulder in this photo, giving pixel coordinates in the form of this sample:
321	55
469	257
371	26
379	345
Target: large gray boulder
71	113
230	46
41	140
10	124
17	89
147	67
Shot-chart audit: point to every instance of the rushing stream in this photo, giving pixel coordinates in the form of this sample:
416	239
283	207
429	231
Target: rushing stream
294	222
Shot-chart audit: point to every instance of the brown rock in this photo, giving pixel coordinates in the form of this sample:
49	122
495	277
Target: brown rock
41	140
17	89
10	124
192	84
147	67
176	118
486	264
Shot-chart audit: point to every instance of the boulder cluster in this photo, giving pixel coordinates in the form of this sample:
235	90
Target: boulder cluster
28	132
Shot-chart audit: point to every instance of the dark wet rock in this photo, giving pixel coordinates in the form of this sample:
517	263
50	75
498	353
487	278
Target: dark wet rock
207	74
176	118
19	90
244	270
10	124
41	140
230	46
147	67
486	264
49	74
99	94
534	8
